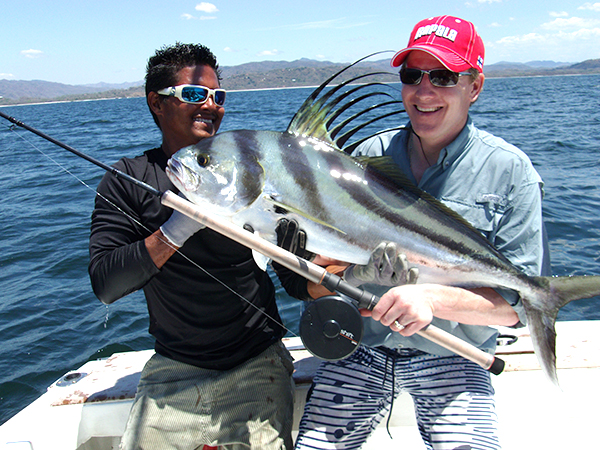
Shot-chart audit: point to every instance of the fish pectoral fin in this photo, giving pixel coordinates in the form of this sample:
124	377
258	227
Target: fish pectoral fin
261	260
287	208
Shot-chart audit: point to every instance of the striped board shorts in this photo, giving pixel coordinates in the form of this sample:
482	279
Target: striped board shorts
453	398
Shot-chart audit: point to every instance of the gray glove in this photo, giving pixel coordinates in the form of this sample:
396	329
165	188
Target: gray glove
179	228
386	267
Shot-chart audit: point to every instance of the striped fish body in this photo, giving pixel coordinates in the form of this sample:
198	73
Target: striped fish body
347	208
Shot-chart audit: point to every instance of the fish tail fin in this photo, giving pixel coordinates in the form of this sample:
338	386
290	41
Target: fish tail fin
542	312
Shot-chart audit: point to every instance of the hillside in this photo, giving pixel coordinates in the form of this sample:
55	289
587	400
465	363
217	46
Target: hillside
267	75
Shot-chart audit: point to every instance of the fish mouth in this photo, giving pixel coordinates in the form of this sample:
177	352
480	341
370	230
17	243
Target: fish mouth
187	179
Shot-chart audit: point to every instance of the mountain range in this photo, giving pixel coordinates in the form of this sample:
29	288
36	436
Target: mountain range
267	75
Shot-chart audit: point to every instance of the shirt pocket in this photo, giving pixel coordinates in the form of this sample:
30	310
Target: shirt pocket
485	212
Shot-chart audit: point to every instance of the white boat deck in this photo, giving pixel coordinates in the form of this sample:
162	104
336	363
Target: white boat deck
87	409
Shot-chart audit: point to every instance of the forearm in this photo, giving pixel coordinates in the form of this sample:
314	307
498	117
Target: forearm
414	307
159	249
480	306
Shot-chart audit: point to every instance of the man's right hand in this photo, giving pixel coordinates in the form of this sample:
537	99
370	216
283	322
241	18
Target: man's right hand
179	228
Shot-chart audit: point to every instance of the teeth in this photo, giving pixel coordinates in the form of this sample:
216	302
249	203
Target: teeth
426	109
200	119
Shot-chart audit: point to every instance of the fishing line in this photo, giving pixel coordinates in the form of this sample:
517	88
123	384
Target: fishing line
307	269
137	222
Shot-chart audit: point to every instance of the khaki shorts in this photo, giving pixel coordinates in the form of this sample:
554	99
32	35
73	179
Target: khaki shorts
179	406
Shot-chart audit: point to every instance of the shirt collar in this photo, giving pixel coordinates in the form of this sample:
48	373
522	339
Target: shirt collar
450	153
457	147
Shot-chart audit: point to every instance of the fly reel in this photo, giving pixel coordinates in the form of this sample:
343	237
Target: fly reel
331	328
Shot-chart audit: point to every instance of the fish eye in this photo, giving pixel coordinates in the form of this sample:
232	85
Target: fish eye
203	160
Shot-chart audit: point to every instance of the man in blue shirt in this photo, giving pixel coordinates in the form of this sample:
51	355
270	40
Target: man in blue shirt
494	186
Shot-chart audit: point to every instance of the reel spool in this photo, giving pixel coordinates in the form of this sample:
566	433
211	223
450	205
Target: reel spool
331	328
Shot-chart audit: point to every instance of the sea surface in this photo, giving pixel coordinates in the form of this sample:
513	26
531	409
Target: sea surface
50	321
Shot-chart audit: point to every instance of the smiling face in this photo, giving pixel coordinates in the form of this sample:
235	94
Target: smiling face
183	124
437	114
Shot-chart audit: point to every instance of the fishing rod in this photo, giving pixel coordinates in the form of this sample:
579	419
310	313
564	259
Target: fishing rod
112	170
326	326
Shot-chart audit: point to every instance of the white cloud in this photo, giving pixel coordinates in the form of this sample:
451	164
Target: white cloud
563	39
571	22
591	6
269	53
31	53
559	14
190	17
489	1
524	39
208	8
583	34
6	75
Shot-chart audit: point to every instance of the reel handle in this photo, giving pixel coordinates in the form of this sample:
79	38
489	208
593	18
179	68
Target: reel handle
334	283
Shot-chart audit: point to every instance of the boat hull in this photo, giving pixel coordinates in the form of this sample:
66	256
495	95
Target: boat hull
87	408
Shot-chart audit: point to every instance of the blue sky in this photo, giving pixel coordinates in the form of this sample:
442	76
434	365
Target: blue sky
110	41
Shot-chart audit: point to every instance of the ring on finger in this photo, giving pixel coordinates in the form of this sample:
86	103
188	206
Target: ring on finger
398	325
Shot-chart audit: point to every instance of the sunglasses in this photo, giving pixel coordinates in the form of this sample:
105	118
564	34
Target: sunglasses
191	93
437	77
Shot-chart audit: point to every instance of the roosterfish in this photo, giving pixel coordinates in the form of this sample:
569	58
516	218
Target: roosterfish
347	205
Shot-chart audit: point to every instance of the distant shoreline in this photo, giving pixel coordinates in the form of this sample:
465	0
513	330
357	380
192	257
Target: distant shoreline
116	97
270	75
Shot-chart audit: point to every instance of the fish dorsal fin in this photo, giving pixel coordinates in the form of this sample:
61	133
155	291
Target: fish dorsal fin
386	167
318	112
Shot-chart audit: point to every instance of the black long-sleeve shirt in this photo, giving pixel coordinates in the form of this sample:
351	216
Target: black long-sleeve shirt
193	317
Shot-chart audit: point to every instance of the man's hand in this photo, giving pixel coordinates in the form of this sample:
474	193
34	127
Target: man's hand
386	267
291	238
179	228
406	309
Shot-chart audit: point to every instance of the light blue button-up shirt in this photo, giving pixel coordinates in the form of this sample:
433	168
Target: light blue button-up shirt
494	186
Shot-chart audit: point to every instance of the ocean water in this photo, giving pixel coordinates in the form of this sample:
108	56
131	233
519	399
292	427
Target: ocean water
50	321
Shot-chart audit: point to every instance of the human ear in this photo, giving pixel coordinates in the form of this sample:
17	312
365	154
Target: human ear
154	102
477	87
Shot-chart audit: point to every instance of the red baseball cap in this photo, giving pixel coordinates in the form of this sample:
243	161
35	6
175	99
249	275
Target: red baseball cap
453	41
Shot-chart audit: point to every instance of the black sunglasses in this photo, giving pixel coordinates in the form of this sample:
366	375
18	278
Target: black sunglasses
437	77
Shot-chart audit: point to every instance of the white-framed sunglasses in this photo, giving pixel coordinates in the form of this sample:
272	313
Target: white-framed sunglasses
193	93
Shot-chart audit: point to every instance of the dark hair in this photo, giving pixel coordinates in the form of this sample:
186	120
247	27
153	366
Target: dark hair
162	68
474	73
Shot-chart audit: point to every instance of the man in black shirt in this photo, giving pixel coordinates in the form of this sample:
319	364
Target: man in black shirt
220	375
